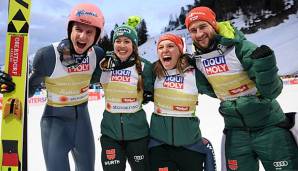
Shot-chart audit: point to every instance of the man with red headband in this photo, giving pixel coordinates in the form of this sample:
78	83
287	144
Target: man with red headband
244	77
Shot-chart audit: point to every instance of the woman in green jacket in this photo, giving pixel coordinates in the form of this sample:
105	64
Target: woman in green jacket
125	79
176	142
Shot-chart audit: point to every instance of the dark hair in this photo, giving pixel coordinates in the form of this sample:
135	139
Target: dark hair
140	85
182	63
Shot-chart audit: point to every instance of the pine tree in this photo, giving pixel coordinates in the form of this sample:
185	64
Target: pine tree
142	32
182	16
106	43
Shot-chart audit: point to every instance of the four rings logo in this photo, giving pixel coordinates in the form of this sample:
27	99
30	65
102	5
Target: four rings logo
138	158
280	164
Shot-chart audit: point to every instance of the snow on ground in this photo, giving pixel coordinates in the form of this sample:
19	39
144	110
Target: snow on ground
211	125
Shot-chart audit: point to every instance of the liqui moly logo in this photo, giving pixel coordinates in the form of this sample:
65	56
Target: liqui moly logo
84	66
215	65
121	75
16	55
174	81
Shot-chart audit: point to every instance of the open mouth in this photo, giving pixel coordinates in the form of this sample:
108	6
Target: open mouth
81	45
122	52
167	58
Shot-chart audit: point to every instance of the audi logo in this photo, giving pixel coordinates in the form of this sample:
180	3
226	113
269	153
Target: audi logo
280	164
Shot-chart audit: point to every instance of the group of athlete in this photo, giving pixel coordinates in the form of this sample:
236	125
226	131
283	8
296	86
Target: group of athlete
224	65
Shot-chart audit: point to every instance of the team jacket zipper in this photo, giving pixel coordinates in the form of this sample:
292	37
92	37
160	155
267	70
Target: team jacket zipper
173	131
122	124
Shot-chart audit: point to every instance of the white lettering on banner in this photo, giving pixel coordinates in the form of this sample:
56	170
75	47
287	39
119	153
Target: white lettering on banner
112	162
15	54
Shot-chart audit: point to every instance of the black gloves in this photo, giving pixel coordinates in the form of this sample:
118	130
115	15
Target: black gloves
147	97
261	52
6	83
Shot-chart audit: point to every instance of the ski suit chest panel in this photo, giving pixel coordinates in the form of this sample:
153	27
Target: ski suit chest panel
245	109
225	73
126	126
176	128
120	88
176	94
69	86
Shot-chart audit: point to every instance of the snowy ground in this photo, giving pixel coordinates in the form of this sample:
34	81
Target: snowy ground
211	125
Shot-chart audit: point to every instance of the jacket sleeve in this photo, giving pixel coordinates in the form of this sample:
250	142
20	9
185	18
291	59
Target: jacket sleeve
43	65
148	76
262	71
203	85
97	72
268	83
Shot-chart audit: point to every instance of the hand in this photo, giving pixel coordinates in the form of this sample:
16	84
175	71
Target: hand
261	52
109	62
147	97
6	83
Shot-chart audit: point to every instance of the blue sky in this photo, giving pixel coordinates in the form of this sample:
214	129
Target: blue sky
49	18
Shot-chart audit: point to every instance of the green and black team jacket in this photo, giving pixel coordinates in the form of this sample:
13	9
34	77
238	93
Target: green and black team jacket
246	87
174	120
124	118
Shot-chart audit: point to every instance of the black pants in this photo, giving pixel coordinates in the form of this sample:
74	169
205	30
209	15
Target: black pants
171	158
115	153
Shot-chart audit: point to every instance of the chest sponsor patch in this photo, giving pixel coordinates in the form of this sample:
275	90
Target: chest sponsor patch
174	81
84	66
121	75
215	65
238	90
181	108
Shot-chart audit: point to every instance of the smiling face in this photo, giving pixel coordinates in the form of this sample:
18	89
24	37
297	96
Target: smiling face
82	37
123	48
202	33
168	53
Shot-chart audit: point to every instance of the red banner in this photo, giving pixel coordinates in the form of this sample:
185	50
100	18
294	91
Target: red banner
16	55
